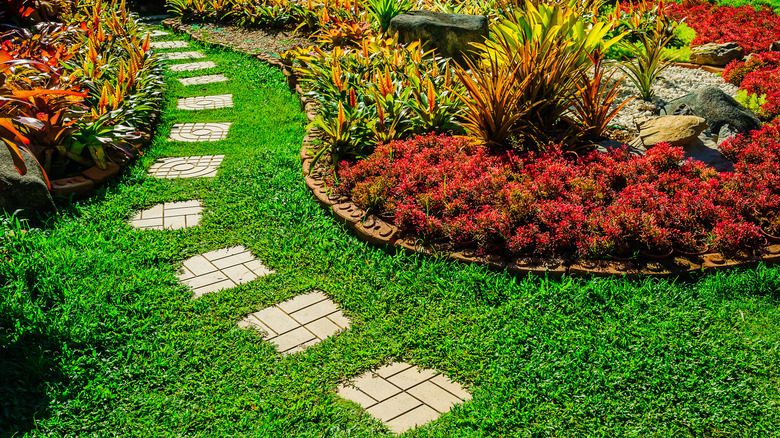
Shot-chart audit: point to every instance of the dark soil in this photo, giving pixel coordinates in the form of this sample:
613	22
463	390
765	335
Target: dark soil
253	41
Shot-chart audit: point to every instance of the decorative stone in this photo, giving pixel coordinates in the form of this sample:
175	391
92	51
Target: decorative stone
72	186
204	166
169	215
298	323
157	33
403	396
718	54
202	80
449	34
675	130
168	44
192	66
718	109
221	269
176	56
774	47
196	132
206	102
27	192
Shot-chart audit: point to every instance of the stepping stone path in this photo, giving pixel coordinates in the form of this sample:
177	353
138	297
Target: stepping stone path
204	166
298	323
169	216
404	396
194	132
192	66
200	80
168	44
401	395
176	56
206	102
221	269
157	33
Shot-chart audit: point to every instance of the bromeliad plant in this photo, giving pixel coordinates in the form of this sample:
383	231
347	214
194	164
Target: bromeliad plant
649	58
547	48
593	105
379	92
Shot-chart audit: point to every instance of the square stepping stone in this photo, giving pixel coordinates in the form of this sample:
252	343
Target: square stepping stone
176	56
298	323
192	66
221	269
200	80
157	33
194	132
169	216
403	396
168	44
203	166
206	102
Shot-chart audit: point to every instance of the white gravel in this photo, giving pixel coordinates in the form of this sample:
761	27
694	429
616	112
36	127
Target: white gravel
673	82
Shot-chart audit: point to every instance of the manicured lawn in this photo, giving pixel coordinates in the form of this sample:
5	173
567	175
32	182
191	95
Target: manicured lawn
98	338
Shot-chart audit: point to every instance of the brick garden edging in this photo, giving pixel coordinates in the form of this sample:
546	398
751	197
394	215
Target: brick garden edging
372	229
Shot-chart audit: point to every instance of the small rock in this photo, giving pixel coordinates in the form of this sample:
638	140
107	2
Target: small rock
26	192
725	133
718	109
705	150
718	54
684	110
675	130
774	47
449	34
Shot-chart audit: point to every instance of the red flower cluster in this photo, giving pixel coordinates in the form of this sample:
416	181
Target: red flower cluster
555	203
758	75
752	29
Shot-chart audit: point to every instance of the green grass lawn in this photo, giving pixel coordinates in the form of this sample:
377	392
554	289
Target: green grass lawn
98	339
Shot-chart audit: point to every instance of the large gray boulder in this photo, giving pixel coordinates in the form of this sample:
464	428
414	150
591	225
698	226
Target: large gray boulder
448	34
27	192
718	54
718	109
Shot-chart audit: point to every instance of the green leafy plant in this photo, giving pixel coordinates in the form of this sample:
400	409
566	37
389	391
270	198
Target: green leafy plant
648	55
385	10
752	101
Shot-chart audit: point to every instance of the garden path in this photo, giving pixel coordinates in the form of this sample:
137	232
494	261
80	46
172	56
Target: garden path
401	395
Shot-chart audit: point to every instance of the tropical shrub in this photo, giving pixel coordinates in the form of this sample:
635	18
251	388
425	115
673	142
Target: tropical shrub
76	90
546	48
378	92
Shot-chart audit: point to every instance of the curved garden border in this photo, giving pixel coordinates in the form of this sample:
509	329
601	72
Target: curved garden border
372	229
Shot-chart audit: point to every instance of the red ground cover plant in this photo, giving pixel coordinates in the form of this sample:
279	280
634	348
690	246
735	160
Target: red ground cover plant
557	204
752	29
758	75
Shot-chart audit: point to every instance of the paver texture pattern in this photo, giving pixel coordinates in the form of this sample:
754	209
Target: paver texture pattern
168	44
202	166
192	66
221	269
176	56
403	396
298	323
157	33
201	80
206	102
169	216
194	132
